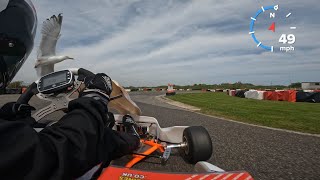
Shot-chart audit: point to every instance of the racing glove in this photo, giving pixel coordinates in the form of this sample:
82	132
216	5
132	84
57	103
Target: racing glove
14	111
126	144
99	87
130	125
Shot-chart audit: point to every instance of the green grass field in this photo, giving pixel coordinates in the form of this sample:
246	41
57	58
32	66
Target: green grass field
303	117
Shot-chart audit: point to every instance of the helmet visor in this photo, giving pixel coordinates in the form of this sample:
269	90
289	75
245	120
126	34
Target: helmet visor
9	66
18	24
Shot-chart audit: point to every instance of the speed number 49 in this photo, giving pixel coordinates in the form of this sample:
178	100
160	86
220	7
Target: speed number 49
290	39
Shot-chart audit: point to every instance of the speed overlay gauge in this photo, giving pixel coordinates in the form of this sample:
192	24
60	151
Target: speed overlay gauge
285	40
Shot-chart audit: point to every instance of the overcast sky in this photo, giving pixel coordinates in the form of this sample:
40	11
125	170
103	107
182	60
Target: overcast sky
154	42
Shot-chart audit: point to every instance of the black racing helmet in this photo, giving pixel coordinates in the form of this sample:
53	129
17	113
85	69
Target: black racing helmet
18	24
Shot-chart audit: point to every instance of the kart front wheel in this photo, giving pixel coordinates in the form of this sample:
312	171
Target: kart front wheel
198	144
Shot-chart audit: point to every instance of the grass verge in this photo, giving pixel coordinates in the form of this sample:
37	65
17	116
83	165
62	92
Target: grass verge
302	117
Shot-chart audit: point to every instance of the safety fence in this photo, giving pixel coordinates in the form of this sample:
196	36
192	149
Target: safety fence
312	96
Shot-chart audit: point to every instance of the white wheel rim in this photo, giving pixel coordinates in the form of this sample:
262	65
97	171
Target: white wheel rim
186	148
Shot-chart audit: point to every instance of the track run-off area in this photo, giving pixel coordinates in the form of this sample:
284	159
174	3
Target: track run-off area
264	153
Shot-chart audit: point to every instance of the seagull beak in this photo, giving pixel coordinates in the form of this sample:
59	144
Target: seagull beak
36	65
71	58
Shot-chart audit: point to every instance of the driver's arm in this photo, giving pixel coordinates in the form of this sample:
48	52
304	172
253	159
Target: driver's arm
65	150
79	141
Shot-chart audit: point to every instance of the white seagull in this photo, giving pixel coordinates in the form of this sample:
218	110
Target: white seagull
47	51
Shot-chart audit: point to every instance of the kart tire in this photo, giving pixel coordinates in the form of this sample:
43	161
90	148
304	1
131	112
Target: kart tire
198	144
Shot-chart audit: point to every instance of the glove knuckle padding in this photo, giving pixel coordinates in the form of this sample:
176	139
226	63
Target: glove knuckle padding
99	81
98	87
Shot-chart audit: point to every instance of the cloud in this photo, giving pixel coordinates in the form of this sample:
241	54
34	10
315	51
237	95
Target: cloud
145	42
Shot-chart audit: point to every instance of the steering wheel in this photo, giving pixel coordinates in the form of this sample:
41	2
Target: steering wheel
58	101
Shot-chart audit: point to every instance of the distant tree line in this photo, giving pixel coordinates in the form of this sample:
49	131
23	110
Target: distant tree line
237	85
295	85
14	87
16	84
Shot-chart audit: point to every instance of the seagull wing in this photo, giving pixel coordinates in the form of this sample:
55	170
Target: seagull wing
50	34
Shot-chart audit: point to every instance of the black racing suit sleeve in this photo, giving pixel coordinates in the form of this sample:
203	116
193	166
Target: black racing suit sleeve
65	150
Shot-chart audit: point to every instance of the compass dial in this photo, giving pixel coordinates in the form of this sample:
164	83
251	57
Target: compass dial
271	43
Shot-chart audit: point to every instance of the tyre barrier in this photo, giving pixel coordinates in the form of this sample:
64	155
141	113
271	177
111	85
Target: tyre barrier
312	96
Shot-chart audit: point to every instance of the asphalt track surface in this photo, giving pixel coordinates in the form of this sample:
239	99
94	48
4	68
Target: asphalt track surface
264	153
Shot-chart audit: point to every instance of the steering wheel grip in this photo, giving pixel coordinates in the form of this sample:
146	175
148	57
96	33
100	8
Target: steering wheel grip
27	95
